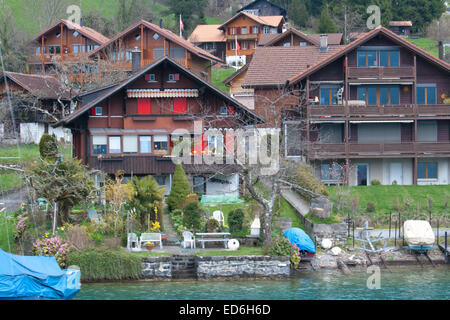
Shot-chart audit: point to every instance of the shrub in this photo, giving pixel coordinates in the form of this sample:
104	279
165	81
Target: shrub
193	197
212	225
77	237
48	148
282	247
97	264
394	183
236	220
54	246
371	206
303	176
180	189
192	215
375	182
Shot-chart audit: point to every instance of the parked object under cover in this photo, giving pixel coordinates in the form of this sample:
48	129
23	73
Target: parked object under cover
298	237
418	234
36	278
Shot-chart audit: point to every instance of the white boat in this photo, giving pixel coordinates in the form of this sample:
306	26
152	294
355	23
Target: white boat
419	235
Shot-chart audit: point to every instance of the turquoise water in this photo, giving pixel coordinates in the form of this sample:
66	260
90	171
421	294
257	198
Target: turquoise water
400	283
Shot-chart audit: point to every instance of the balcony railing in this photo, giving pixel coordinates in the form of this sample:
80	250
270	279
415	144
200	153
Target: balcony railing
381	73
247	36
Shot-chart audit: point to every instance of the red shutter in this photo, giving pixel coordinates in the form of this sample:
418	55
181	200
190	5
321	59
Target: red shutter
144	106
229	143
229	31
147	77
197	147
176	77
93	112
230	111
204	143
179	106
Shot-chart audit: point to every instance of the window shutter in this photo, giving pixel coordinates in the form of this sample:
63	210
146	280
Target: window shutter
144	106
230	110
229	143
238	30
176	77
93	112
179	106
229	30
204	143
147	77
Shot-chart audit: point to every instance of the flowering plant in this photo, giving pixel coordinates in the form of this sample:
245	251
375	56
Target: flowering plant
52	246
155	226
21	225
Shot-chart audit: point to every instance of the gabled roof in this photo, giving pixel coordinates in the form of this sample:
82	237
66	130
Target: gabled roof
207	33
272	21
296	32
234	75
165	33
333	38
41	86
252	3
141	73
85	31
272	66
400	24
266	37
366	37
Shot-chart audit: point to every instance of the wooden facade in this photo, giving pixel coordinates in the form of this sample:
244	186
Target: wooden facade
264	8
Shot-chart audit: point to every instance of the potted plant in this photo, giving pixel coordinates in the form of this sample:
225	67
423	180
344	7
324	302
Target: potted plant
149	245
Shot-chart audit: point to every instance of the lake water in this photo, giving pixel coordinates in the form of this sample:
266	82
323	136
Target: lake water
400	283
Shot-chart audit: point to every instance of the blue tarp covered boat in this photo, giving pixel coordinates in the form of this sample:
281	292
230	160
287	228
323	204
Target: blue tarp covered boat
299	237
36	278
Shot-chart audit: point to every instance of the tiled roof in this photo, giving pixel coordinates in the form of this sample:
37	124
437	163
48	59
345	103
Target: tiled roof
43	87
272	21
400	24
369	35
266	38
272	66
207	33
165	33
287	32
85	31
333	38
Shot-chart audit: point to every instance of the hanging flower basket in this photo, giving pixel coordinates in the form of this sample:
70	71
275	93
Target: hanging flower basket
163	236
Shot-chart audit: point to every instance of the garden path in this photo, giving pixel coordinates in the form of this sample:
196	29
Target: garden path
172	238
295	200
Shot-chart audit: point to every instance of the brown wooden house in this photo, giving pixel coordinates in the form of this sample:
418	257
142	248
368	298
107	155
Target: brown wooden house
154	42
131	126
374	110
210	38
63	41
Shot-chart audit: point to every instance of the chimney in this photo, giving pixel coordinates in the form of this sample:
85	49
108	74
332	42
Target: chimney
135	60
441	50
323	42
161	23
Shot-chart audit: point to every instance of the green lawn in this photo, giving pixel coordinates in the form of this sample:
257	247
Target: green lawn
7	227
427	44
383	196
219	75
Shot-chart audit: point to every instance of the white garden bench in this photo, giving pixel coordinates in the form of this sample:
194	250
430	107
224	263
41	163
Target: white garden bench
213	237
151	237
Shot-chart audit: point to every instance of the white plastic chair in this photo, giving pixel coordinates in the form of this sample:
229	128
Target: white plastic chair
132	238
188	238
218	215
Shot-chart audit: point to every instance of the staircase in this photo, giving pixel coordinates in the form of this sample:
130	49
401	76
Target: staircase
172	239
184	267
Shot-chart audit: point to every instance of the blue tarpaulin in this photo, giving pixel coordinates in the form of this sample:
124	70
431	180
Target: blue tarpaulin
28	277
299	237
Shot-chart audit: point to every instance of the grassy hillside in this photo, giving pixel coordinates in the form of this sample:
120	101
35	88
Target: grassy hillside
427	44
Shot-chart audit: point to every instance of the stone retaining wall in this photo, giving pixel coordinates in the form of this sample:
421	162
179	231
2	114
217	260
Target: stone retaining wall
337	232
157	268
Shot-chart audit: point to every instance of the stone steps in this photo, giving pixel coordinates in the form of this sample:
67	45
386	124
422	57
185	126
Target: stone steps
184	267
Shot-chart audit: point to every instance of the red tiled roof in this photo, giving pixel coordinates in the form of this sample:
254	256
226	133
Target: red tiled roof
41	86
85	31
272	66
361	40
165	33
207	33
400	24
266	38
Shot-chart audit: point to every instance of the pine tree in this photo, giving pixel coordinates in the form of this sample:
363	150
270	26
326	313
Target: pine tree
326	24
180	189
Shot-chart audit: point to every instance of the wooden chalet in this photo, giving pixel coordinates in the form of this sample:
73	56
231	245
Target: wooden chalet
264	8
63	41
247	29
374	110
155	42
37	102
401	28
129	126
210	38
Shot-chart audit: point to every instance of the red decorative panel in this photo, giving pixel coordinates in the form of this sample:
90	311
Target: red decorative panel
144	106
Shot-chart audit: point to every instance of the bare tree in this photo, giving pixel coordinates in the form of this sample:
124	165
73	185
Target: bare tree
46	12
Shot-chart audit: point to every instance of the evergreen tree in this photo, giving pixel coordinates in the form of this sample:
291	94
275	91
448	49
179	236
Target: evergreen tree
180	189
326	23
297	13
48	148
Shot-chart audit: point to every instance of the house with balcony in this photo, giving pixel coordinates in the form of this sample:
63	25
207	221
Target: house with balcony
210	38
134	125
243	32
154	42
63	41
264	8
374	110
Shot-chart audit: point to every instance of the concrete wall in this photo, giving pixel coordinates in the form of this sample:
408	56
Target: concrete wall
32	132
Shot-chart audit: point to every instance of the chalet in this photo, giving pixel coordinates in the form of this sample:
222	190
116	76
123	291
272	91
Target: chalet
401	28
290	38
154	42
246	30
63	41
375	110
131	126
210	38
37	101
264	8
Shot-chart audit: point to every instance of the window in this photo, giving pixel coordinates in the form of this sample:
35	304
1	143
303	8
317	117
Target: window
177	53
58	34
233	45
179	105
150	77
252	11
174	77
158	53
76	48
383	95
99	144
138	36
129	55
199	185
75	34
286	44
328	96
426	94
115	145
97	111
330	171
292	141
233	30
389	58
375	58
427	170
38	50
130	144
54	49
427	131
144	106
223	110
215	144
303	44
145	144
156	36
244	45
255	30
244	30
161	142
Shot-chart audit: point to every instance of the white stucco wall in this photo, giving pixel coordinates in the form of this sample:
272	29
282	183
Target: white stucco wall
31	132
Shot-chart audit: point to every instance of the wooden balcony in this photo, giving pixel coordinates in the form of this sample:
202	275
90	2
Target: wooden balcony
381	73
320	111
126	65
319	150
248	36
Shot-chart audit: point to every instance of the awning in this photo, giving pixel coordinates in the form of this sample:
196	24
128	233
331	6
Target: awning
387	121
158	93
401	83
326	121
